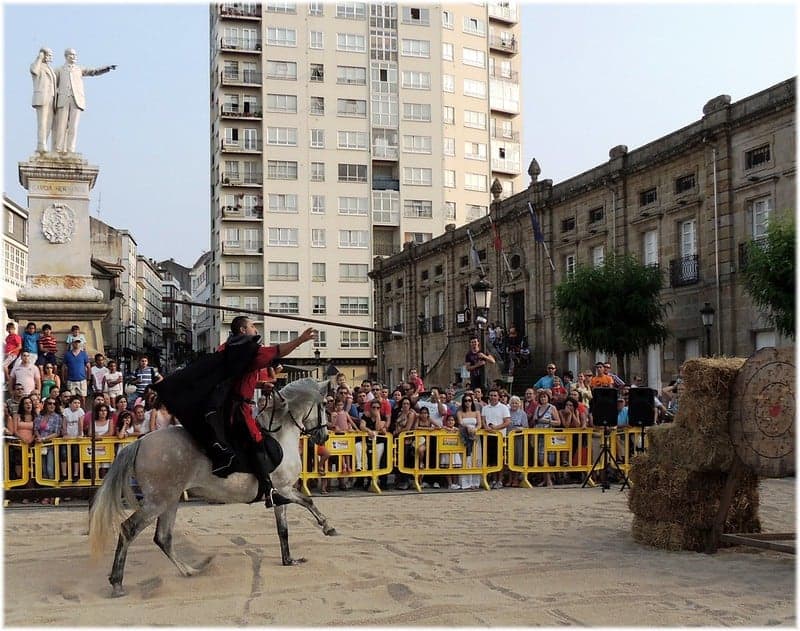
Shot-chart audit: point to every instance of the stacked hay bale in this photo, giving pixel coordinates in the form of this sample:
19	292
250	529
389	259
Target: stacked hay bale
678	482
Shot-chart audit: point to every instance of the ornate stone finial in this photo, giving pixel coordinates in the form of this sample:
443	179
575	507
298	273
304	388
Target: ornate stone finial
618	151
717	103
496	189
534	170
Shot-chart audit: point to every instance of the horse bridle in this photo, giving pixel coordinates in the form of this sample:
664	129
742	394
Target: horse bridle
301	425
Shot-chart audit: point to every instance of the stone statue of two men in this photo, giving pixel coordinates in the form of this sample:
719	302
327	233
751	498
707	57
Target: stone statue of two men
59	99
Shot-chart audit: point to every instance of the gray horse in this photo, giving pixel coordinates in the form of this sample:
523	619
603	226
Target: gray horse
167	461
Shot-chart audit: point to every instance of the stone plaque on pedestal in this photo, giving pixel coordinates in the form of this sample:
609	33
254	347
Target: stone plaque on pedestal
59	288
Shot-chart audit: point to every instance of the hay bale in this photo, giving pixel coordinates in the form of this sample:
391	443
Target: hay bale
705	398
709	375
673	444
667	535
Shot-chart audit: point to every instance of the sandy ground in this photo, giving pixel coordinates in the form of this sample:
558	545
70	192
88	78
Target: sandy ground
561	557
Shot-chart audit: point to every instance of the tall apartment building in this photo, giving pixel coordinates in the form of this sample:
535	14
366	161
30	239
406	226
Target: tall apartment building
15	251
339	132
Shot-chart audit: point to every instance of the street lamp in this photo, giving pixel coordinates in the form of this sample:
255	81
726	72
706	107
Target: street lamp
503	305
707	316
421	327
482	290
316	362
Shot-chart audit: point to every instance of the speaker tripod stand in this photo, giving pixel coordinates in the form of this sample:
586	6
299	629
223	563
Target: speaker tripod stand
609	462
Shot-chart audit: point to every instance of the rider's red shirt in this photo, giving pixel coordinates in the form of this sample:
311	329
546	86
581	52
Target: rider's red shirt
245	387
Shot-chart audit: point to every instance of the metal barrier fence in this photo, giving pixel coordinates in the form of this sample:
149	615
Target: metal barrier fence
357	455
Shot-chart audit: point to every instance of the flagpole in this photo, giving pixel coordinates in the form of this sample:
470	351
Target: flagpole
475	252
538	236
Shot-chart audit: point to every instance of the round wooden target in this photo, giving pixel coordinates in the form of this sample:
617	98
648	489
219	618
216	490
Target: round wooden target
762	417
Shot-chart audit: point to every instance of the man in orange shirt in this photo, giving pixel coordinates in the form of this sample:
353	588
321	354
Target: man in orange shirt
601	379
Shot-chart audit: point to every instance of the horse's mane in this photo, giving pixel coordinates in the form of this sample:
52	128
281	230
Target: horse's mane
303	389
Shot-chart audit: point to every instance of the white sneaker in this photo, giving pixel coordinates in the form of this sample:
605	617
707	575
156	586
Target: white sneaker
455	487
436	485
426	485
497	485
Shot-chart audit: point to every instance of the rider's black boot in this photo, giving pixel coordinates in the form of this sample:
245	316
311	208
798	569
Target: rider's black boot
223	459
261	465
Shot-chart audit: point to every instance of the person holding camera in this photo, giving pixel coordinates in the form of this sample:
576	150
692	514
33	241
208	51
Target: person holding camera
475	362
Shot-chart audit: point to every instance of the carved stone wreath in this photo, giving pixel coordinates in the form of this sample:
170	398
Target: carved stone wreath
58	223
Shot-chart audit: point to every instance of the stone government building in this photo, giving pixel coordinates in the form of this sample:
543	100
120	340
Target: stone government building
657	202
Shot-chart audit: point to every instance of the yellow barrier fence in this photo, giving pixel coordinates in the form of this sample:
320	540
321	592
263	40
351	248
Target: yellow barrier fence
72	458
553	450
16	463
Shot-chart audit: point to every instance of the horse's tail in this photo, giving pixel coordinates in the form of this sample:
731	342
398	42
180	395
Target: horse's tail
108	509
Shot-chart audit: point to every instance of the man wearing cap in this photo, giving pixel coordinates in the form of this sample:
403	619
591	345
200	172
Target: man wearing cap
76	370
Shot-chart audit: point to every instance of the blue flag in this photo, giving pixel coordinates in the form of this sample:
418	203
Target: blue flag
537	230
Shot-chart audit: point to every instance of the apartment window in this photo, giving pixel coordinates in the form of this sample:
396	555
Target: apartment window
475	182
354	206
474	88
449	178
282	202
316	40
418	237
650	196
283	304
569	265
473	57
448	115
420	208
317	204
475	211
417	144
286	70
448	83
417	112
596	214
317	73
450	208
568	224
351	42
474	26
598	255
413	80
756	157
278	36
449	146
351	10
415	48
417	176
650	247
447	51
319	305
475	150
316	106
316	7
358	239
317	138
475	120
353	272
417	16
351	75
318	274
384	110
352	140
281	7
353	305
688	237
283	270
447	19
282	103
352	172
281	170
685	183
317	171
282	237
318	238
282	337
353	108
354	339
282	136
760	209
322	340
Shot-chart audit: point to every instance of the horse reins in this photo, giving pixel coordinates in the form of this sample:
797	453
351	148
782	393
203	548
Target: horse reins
301	426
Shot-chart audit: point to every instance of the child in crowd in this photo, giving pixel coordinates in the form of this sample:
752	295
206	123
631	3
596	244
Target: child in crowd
13	348
451	460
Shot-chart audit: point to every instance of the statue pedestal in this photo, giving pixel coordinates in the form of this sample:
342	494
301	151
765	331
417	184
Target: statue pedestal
59	288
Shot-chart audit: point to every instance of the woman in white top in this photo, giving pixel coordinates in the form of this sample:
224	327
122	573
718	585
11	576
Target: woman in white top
470	420
112	381
103	428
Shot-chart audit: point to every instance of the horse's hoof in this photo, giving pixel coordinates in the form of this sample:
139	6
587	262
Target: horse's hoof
294	561
117	591
330	532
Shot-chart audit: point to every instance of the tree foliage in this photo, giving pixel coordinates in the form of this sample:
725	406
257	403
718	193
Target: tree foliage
769	273
614	308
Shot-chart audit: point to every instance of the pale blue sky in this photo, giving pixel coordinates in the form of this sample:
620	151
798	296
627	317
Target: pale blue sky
595	76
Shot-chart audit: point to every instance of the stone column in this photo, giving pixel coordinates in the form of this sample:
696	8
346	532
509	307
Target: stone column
59	288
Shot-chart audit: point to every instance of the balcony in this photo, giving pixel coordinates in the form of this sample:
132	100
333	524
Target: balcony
503	134
256	213
385	184
241	146
506	166
508	75
386	218
384	152
437	322
240	11
684	271
239	247
503	44
229	112
503	11
234	179
240	44
248	281
240	78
